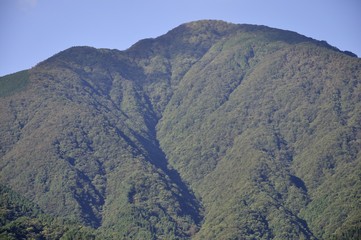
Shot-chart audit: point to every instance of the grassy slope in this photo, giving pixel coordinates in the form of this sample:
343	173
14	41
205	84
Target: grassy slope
13	83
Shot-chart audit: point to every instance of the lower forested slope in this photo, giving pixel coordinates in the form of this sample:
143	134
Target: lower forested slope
211	131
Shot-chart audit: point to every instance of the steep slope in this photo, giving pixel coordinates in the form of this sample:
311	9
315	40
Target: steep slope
271	142
211	131
86	154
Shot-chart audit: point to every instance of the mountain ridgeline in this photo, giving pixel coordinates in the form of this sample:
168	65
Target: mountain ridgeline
211	131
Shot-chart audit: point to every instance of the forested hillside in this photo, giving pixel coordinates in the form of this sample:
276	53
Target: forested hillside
211	131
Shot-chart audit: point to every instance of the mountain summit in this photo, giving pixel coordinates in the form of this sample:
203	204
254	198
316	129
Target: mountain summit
211	131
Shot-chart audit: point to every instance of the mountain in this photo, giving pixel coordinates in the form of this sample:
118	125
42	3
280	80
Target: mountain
211	131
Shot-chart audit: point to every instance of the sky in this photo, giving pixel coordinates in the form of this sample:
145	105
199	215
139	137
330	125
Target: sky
34	30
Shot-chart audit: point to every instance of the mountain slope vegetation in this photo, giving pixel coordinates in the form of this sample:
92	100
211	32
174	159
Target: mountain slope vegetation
211	131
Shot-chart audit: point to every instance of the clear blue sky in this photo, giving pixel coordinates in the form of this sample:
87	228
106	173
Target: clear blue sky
33	30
